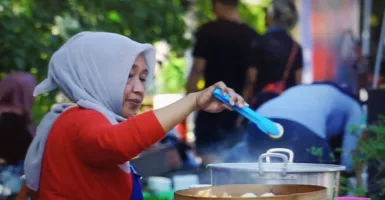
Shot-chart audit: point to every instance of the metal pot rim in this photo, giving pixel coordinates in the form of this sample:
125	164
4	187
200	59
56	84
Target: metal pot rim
277	167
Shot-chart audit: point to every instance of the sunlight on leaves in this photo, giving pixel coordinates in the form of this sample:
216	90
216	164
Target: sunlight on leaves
33	70
114	16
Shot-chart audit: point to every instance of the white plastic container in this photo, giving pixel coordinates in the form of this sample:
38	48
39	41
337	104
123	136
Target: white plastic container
182	182
159	184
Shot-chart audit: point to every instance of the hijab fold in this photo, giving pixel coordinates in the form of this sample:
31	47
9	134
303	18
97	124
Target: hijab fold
92	69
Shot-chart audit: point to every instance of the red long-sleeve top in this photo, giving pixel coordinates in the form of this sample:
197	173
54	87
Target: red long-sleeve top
83	151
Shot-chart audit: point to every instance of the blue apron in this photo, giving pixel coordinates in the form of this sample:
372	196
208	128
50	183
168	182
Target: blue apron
137	193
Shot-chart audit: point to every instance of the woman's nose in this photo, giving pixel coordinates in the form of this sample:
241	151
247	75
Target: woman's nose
138	87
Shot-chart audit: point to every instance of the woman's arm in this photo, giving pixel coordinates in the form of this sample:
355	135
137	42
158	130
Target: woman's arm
298	76
299	63
251	79
199	53
175	113
100	143
196	74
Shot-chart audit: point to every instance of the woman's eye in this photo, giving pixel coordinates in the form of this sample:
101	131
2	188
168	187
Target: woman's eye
130	75
143	79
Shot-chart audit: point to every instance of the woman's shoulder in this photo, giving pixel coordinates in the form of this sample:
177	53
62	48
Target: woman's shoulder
79	115
74	120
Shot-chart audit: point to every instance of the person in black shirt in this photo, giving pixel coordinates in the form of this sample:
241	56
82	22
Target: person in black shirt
273	52
222	52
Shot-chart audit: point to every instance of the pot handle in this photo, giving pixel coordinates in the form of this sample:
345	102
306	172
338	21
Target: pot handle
279	155
274	150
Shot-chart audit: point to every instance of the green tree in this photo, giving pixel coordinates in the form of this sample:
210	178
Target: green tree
172	77
371	147
31	30
254	15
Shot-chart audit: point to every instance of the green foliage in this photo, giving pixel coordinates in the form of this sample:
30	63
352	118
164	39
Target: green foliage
345	189
316	151
31	30
172	77
372	144
253	15
42	106
319	152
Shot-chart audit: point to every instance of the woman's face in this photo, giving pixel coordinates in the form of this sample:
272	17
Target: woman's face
135	87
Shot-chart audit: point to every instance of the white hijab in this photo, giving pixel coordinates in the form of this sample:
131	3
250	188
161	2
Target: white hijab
92	69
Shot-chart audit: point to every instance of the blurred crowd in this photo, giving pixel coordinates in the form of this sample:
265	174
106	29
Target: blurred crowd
265	69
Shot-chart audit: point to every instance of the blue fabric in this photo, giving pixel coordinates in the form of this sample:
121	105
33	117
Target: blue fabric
137	193
275	29
10	177
302	141
347	90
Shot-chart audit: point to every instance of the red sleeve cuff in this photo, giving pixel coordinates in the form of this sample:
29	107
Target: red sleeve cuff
148	124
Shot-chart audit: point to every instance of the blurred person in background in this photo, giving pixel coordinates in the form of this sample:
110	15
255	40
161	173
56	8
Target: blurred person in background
16	126
221	53
381	75
362	67
278	57
353	67
311	115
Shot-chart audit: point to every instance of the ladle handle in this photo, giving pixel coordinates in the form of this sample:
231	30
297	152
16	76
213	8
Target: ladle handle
278	155
275	150
265	125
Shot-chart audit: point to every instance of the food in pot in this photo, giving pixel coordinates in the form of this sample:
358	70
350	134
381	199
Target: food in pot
235	191
248	195
207	193
267	195
204	193
225	195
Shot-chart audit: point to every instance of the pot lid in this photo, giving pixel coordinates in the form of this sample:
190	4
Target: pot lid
278	167
286	166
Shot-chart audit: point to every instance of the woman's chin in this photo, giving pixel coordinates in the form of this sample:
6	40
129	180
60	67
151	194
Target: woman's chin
129	113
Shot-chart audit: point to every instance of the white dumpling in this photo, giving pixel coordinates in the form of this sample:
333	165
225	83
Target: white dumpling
204	193
267	195
249	195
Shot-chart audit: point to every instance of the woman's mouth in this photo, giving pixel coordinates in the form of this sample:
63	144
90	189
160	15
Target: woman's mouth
136	102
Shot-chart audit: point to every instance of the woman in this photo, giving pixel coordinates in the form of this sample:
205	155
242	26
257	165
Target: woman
81	151
278	57
16	126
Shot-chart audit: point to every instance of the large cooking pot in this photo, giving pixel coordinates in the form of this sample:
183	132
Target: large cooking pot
281	192
285	172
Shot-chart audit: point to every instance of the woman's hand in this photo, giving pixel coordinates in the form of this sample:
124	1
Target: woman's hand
171	115
206	101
